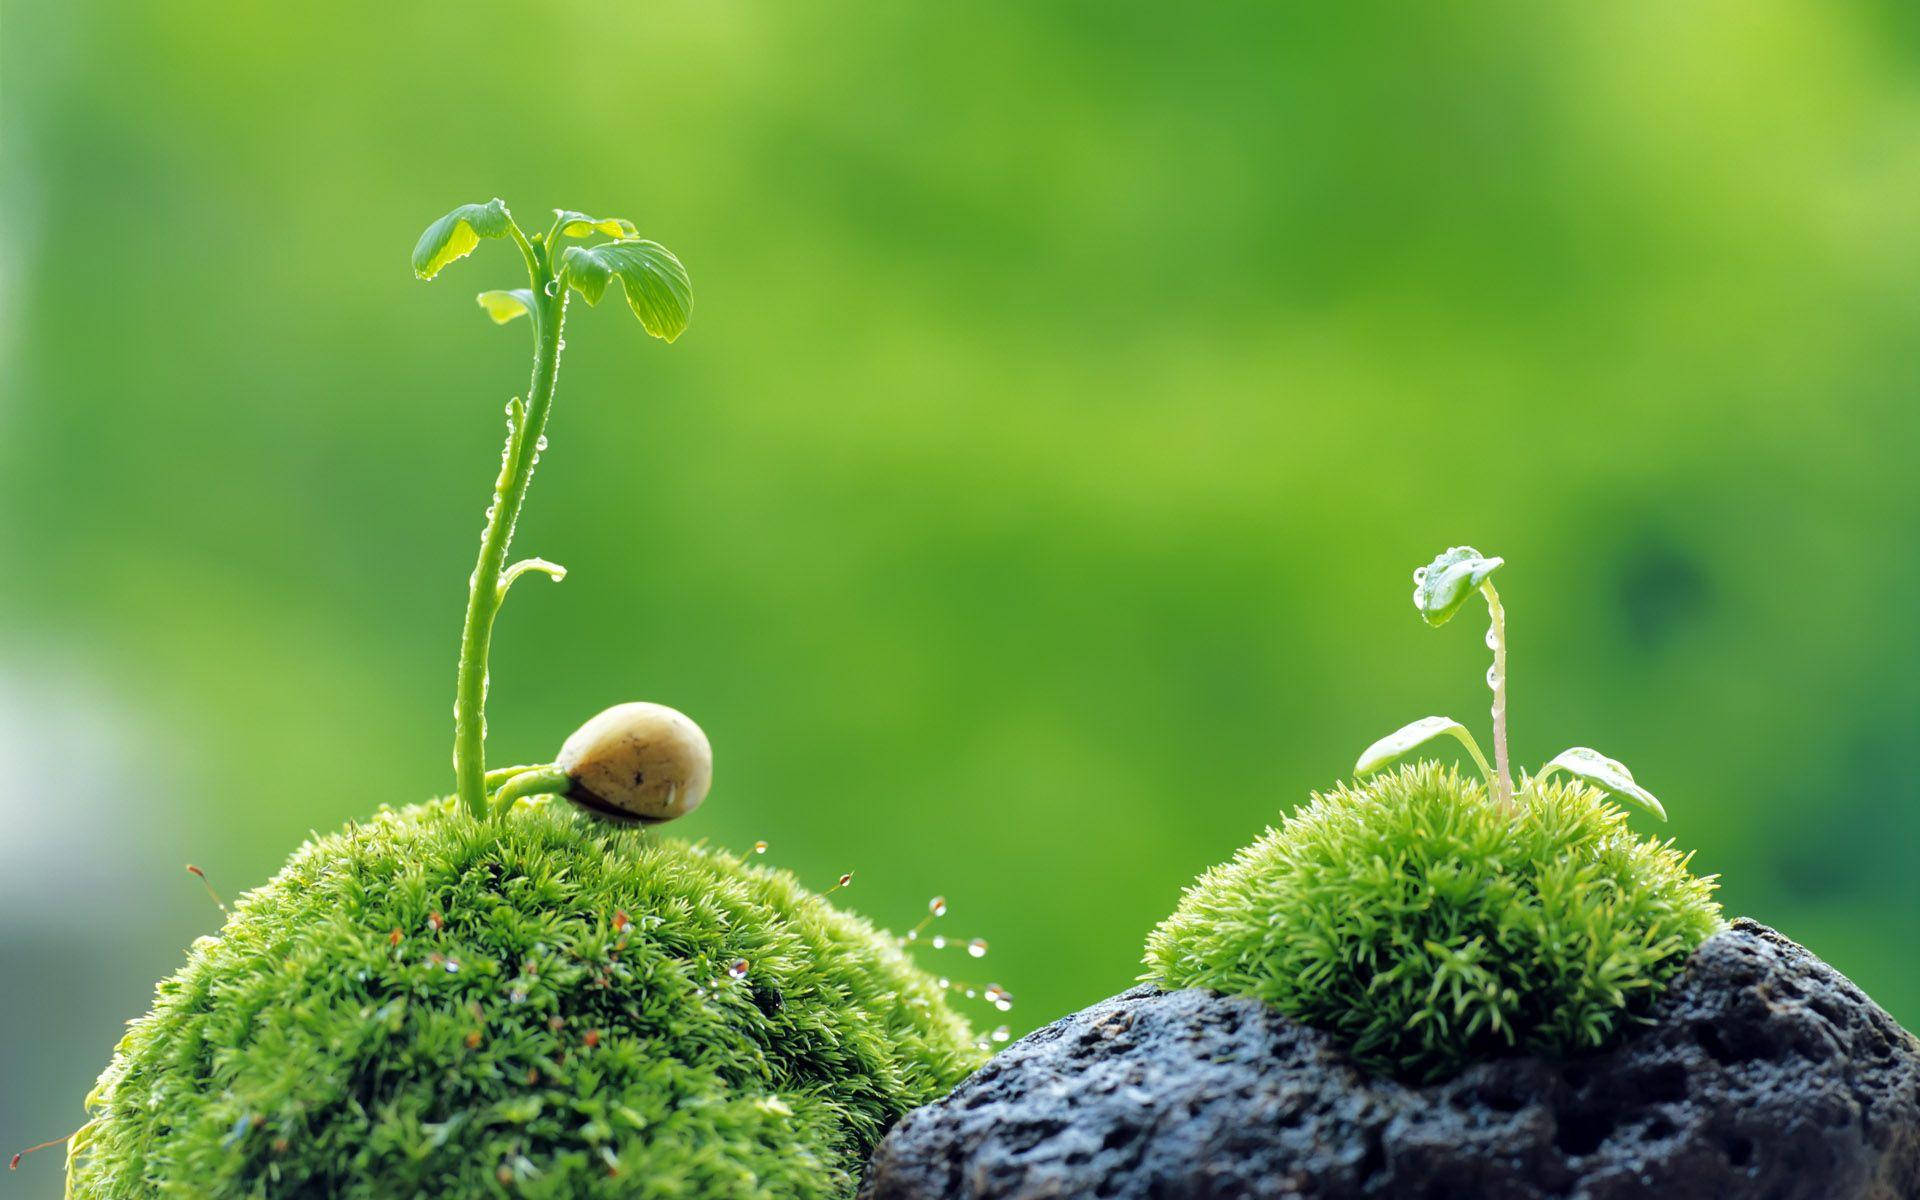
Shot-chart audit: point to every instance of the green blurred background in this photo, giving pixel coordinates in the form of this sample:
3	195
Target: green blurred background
1028	513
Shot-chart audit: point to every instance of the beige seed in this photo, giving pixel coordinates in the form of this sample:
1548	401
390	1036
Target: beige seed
638	762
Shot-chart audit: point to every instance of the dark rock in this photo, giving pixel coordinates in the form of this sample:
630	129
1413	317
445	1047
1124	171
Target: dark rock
1765	1074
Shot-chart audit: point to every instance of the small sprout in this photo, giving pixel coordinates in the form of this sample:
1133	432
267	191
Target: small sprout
660	295
1608	774
1440	589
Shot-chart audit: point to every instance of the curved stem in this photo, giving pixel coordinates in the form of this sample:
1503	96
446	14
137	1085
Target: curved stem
1497	680
484	589
535	781
500	775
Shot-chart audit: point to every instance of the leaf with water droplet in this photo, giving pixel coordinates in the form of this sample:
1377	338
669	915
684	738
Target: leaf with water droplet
578	225
1442	586
505	306
1408	738
655	283
454	236
1611	775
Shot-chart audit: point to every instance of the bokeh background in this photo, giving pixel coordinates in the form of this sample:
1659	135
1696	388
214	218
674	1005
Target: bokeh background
1028	513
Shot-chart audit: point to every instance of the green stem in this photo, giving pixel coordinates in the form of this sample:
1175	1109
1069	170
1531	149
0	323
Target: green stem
484	591
1497	680
535	781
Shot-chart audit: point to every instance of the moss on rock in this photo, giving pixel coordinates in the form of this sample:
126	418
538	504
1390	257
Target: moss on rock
428	1005
1427	929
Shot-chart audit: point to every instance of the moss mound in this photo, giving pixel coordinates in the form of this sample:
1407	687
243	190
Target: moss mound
562	1012
1413	919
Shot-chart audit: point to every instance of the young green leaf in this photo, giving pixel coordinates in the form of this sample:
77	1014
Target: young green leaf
1605	773
1441	587
455	235
1405	740
579	225
505	306
656	284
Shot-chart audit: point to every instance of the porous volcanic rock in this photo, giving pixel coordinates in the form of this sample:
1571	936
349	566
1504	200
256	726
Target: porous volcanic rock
1765	1074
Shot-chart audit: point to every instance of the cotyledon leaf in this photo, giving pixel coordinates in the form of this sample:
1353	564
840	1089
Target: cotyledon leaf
1408	738
657	286
1442	586
455	235
505	306
1588	764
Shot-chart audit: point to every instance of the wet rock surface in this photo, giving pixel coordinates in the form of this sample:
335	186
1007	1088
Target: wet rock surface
1766	1074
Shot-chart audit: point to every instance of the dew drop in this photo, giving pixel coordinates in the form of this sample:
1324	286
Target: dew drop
1493	678
1001	1033
738	970
913	935
846	879
996	993
760	847
945	983
552	288
977	947
1493	640
540	443
453	966
937	906
939	941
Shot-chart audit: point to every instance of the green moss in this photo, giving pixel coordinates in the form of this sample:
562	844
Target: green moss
1412	919
537	1044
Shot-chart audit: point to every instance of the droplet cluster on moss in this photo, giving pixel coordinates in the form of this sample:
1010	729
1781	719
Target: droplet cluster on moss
1426	928
427	1005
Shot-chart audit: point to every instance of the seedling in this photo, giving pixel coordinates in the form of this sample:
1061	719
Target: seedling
735	1031
1441	589
660	295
